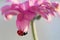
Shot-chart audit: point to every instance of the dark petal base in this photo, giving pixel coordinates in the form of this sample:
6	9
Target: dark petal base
21	33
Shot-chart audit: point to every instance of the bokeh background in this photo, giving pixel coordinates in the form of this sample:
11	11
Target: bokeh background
45	31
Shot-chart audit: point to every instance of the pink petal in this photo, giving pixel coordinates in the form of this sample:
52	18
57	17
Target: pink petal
24	5
58	9
42	1
43	12
43	15
29	15
50	11
22	24
7	17
5	8
13	1
8	10
17	7
32	2
20	16
34	9
46	9
55	5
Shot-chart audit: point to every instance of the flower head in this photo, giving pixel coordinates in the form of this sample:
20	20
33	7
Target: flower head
27	11
24	16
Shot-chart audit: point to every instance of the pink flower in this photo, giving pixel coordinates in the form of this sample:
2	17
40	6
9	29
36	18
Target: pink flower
27	11
24	16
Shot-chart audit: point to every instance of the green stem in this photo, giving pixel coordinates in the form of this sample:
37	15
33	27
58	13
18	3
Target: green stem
34	33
